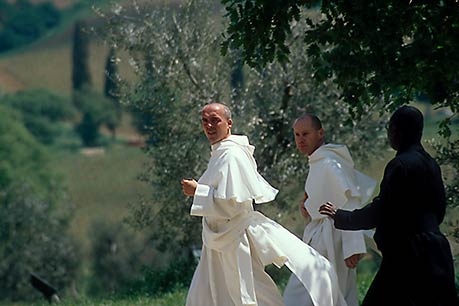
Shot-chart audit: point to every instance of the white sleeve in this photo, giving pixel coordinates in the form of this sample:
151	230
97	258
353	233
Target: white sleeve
313	211
205	204
203	201
329	185
353	241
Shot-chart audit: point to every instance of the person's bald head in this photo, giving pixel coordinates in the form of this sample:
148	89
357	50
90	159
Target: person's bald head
309	134
218	106
216	121
314	120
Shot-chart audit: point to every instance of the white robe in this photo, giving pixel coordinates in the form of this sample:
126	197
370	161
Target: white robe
239	242
332	178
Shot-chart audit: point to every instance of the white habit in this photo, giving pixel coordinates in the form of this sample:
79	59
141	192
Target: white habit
332	178
239	242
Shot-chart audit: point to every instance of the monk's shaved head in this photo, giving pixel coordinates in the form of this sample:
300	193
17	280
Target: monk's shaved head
218	106
315	121
216	121
309	134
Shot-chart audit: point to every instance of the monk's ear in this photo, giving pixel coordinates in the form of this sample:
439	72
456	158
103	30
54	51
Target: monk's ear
321	132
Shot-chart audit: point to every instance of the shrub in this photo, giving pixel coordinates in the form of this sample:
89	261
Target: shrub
116	255
97	110
166	280
34	215
40	110
33	239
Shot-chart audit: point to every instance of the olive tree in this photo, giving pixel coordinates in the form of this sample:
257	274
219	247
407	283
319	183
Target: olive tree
174	54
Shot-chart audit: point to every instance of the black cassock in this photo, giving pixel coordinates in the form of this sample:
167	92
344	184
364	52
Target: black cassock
417	266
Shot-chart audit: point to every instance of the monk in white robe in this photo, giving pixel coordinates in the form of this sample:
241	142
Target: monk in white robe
331	176
239	242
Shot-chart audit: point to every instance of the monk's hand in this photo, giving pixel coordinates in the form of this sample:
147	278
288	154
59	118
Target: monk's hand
303	210
352	261
189	187
328	209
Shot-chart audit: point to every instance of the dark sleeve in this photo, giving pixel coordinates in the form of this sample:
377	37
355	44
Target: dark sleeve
363	218
381	207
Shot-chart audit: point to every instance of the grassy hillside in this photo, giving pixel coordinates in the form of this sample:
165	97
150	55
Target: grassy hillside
51	68
101	185
47	62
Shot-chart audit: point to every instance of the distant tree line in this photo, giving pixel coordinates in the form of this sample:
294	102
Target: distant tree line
22	22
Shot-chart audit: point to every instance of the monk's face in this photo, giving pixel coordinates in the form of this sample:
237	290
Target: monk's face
307	137
393	136
215	124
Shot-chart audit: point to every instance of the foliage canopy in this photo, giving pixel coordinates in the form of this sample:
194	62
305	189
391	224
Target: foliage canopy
41	112
397	50
22	22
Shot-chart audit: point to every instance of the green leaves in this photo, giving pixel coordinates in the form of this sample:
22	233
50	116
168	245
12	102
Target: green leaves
33	239
260	29
33	212
373	49
41	112
23	22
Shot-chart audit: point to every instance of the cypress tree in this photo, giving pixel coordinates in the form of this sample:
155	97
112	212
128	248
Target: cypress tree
111	89
111	76
81	76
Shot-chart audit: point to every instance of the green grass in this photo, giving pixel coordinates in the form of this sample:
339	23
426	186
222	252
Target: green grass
175	298
366	271
51	67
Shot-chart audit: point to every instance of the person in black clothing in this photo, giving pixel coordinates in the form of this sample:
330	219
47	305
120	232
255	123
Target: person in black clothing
417	266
